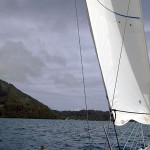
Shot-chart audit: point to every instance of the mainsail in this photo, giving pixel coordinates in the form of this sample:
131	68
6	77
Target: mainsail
118	33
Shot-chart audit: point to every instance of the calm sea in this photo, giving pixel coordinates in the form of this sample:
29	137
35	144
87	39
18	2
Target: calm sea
30	134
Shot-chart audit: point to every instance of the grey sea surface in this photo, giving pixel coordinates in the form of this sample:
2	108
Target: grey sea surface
30	134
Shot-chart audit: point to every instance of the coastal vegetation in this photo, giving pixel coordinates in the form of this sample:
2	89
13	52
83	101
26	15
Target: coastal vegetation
82	115
16	104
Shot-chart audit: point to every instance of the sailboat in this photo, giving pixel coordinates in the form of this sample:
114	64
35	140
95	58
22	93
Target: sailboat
118	34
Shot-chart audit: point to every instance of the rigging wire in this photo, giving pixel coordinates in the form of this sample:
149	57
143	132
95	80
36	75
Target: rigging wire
83	78
90	26
123	134
124	32
142	135
127	17
116	134
138	140
119	68
85	97
135	137
107	138
128	138
108	128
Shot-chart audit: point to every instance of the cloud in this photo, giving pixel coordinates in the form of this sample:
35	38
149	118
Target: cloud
42	56
53	58
68	80
17	63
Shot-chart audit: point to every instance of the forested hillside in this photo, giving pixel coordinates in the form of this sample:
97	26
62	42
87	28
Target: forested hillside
16	104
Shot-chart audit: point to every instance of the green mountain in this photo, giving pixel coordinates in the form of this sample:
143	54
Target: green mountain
16	104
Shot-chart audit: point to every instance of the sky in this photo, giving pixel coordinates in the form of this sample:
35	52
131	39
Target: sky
39	52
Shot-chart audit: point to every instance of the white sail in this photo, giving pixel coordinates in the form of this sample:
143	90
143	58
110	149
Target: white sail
119	39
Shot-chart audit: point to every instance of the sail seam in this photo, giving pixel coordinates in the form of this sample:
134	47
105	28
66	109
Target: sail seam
131	17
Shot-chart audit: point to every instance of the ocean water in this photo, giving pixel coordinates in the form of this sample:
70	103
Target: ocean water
30	134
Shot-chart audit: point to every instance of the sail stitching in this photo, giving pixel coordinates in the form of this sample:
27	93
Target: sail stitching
132	17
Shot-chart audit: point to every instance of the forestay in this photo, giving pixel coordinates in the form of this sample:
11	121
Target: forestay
119	39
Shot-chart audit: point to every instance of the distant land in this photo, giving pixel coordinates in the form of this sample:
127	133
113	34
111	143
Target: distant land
16	104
